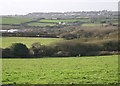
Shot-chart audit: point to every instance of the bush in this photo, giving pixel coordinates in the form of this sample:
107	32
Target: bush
75	48
6	53
35	49
63	49
61	54
38	50
112	45
68	36
19	50
1	52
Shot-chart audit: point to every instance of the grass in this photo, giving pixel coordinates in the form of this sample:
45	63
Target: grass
7	41
91	25
41	24
53	22
14	20
65	20
73	70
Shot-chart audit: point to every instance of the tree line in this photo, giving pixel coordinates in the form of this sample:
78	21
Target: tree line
62	49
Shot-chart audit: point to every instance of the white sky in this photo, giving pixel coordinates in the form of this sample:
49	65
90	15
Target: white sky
8	7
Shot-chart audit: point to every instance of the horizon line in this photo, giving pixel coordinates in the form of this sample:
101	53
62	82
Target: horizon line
55	12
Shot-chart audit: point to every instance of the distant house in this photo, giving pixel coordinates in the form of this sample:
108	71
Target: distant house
56	18
13	30
9	31
61	23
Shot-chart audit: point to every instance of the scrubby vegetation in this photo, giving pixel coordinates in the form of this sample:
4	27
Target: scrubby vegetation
65	49
78	41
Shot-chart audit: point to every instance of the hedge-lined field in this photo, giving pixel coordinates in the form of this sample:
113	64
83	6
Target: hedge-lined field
7	41
42	24
14	20
65	20
73	70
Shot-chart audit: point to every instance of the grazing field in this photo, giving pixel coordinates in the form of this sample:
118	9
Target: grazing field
7	41
54	22
14	20
65	20
41	24
91	25
72	70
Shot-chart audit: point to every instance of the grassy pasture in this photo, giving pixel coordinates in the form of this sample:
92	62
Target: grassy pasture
7	41
73	70
65	20
91	25
14	20
41	24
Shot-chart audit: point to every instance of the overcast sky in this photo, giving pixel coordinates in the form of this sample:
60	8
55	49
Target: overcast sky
12	7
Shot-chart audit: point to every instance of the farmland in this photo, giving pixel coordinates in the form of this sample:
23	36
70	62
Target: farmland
73	70
91	25
14	20
52	22
7	41
66	20
73	48
41	24
55	22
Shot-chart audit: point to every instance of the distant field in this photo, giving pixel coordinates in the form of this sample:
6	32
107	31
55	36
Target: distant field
91	25
54	22
65	20
7	41
14	20
73	70
50	22
41	24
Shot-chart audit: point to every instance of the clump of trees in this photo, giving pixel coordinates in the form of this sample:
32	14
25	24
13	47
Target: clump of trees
62	49
38	50
16	50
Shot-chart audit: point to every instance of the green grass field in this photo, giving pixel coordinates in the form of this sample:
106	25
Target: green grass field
14	20
41	24
92	25
7	41
53	22
73	70
65	20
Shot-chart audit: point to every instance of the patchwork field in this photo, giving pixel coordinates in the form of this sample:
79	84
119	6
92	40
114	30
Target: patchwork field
66	20
91	25
73	70
7	41
55	22
14	20
51	22
41	24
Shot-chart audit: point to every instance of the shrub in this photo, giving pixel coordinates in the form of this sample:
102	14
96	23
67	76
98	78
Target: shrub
19	50
112	45
62	54
75	48
6	53
35	49
68	36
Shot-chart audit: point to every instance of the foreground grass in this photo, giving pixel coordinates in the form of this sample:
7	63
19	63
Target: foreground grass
79	70
7	41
